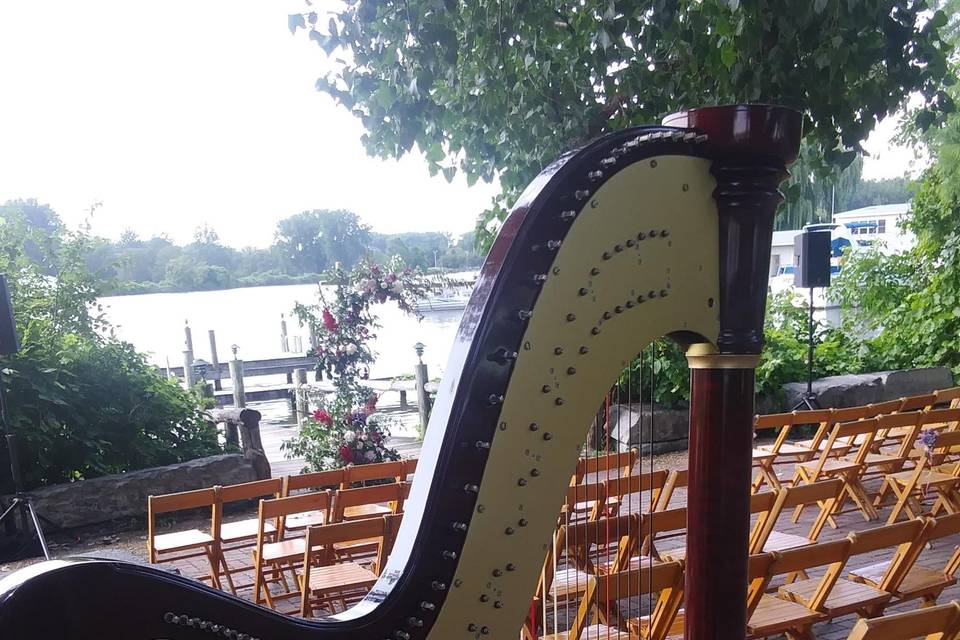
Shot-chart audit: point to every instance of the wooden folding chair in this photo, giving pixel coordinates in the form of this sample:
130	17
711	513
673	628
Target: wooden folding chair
370	502
189	543
906	485
323	577
282	554
358	474
848	596
618	492
917	581
600	603
409	469
583	501
318	480
949	398
773	615
243	533
934	623
588	548
784	451
824	494
918	403
848	470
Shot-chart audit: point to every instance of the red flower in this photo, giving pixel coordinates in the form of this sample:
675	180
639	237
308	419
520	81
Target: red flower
329	321
345	454
322	416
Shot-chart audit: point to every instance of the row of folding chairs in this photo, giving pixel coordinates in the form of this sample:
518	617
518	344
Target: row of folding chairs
895	573
224	535
786	449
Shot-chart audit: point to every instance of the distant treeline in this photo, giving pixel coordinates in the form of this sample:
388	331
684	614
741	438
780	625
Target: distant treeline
305	246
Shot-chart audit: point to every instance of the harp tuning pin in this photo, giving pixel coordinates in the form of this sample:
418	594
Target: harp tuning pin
553	245
471	488
608	162
414	622
629	144
458	526
427	606
583	291
663	293
606	255
436	585
482	444
689	136
524	314
449	555
568	215
700	138
595	175
581	194
484	630
495	399
502	355
540	278
401	635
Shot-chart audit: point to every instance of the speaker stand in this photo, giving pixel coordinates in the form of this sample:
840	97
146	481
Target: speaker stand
809	399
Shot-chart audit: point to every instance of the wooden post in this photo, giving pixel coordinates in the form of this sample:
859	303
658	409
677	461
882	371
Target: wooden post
215	360
188	337
236	378
188	377
301	401
403	399
423	398
284	341
248	421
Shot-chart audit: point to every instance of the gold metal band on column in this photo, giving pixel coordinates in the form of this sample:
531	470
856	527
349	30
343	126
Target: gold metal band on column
704	355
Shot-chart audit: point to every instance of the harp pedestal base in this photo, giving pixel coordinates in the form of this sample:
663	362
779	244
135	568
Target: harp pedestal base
718	501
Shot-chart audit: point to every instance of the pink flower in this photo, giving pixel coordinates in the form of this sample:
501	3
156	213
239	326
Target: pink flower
322	416
329	321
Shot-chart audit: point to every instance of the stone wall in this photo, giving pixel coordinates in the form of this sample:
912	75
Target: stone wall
630	428
865	388
125	495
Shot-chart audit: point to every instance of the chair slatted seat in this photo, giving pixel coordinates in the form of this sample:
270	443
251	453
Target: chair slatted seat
189	543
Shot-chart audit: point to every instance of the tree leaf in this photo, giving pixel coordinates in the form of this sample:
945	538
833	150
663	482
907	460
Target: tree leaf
295	21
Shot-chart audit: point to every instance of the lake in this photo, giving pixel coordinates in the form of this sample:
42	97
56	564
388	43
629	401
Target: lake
250	318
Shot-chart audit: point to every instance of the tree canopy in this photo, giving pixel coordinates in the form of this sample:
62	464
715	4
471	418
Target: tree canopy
502	88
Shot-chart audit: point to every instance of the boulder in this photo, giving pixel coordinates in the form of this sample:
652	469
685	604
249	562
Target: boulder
629	427
124	495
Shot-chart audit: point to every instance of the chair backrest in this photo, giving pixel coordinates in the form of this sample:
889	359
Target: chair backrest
652	482
833	555
622	463
678	479
250	490
592	494
762	505
394	494
906	539
943	527
918	403
182	501
860	432
946	419
317	480
576	540
950	397
940	622
909	420
409	468
786	421
886	407
367	472
849	414
758	579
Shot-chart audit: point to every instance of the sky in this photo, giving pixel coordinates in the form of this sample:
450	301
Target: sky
176	114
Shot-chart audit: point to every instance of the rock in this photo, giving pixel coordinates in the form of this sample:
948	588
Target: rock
630	428
123	495
860	389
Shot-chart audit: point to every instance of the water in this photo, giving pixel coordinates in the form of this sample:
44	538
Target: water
250	318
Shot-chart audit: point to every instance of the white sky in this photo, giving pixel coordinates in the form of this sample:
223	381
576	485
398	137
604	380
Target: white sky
177	113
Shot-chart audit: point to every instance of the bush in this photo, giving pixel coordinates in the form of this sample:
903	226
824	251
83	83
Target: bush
82	403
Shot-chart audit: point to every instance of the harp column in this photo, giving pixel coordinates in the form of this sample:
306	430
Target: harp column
752	145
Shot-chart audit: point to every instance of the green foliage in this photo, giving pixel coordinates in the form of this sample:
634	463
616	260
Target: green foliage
82	403
491	88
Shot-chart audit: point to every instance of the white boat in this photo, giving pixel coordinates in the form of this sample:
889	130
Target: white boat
451	302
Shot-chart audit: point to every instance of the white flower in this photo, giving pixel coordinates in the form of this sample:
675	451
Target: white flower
349	436
370	455
397	287
363	437
350	349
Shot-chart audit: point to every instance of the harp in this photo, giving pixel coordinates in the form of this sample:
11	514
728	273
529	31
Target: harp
648	232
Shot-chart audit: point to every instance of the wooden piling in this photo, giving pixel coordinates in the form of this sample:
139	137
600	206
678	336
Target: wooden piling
423	398
188	337
284	340
188	376
236	378
215	361
301	400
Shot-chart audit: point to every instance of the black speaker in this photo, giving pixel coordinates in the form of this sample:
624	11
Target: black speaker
811	259
9	343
